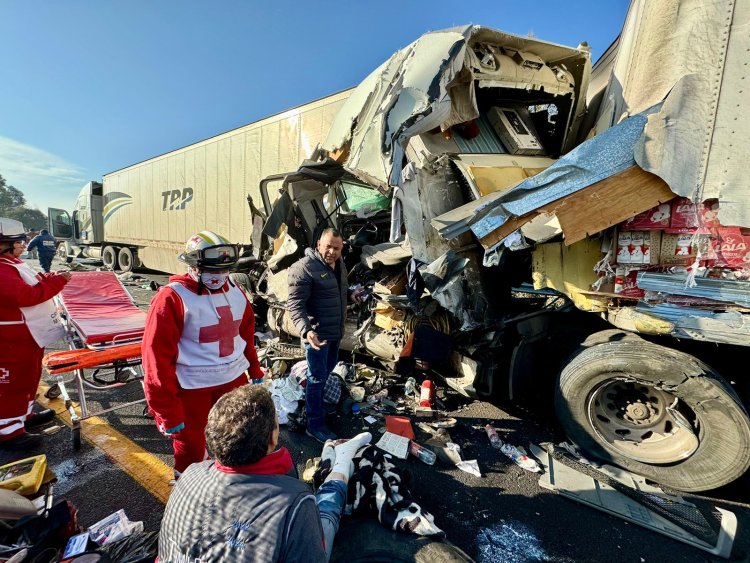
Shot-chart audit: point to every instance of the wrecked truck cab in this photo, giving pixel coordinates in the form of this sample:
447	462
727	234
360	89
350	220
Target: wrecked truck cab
462	131
456	116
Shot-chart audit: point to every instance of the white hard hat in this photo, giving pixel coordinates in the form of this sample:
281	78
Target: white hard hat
207	250
11	230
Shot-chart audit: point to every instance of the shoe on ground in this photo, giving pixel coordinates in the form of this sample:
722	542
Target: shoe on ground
39	418
320	434
25	441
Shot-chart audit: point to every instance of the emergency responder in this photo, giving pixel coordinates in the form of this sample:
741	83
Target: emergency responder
28	323
198	345
45	244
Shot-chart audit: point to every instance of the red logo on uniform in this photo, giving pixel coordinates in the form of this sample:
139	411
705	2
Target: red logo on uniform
223	333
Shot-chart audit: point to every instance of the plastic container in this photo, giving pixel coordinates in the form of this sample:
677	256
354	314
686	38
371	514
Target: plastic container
427	393
493	436
24	476
355	409
425	455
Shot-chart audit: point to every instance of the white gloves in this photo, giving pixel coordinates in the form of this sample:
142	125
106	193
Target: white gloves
344	453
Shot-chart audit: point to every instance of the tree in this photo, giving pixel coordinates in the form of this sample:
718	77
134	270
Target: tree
10	197
13	206
31	218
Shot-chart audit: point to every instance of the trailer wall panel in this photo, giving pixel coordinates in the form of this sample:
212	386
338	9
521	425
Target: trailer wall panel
160	202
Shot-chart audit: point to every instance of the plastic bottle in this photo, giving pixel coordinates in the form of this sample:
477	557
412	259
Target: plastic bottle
493	436
410	387
355	409
425	455
427	393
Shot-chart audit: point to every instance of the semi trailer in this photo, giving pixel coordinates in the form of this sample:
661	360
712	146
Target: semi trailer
144	213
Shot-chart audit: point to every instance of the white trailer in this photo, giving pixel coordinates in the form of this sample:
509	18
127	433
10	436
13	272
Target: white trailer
144	213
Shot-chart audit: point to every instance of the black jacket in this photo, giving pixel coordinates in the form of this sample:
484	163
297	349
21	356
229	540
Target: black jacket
317	296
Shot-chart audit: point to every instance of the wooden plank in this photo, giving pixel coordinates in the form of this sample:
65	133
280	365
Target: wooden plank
610	202
596	207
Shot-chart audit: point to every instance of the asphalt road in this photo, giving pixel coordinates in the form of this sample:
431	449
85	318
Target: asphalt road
502	516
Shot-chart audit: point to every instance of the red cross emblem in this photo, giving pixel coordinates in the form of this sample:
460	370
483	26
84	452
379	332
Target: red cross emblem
223	333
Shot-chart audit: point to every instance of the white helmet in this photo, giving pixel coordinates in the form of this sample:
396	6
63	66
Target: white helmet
11	230
209	251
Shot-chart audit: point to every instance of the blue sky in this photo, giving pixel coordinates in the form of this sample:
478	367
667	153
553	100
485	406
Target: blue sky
91	86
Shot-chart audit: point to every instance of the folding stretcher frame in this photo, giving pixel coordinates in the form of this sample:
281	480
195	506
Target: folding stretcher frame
104	329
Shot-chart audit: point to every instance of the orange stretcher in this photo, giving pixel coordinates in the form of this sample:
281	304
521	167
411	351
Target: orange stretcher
104	330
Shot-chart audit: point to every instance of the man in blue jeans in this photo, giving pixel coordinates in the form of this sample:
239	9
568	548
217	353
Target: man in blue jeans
246	505
318	290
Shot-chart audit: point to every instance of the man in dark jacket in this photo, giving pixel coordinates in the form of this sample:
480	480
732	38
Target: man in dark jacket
318	289
45	244
245	506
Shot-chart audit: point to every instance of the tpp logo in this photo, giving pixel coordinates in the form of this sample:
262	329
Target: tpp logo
176	199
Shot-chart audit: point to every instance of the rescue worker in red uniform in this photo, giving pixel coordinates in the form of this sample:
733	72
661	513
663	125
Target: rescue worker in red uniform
198	345
28	323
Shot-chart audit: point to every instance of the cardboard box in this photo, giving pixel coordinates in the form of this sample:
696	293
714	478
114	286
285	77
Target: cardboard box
624	242
656	218
514	128
393	285
651	248
626	282
684	215
709	212
387	317
688	217
734	247
676	249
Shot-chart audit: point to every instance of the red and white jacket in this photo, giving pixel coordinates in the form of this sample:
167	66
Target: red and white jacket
195	341
18	296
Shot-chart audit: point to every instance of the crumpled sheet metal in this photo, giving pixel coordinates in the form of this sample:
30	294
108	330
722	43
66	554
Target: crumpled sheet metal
392	99
730	327
603	156
726	291
411	93
442	278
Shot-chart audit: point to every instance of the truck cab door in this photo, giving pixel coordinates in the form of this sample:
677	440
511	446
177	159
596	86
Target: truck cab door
60	224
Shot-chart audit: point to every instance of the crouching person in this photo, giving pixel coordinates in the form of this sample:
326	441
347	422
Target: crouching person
245	505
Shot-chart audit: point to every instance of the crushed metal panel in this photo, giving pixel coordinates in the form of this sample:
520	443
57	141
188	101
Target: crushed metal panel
413	93
729	291
726	328
569	270
615	492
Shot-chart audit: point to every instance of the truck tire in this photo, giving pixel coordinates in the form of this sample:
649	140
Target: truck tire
62	253
655	411
109	257
128	260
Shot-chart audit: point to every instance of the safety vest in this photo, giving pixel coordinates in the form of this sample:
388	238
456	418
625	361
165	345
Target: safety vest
210	350
43	320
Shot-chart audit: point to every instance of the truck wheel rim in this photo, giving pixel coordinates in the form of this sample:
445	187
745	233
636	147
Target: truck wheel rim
642	422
